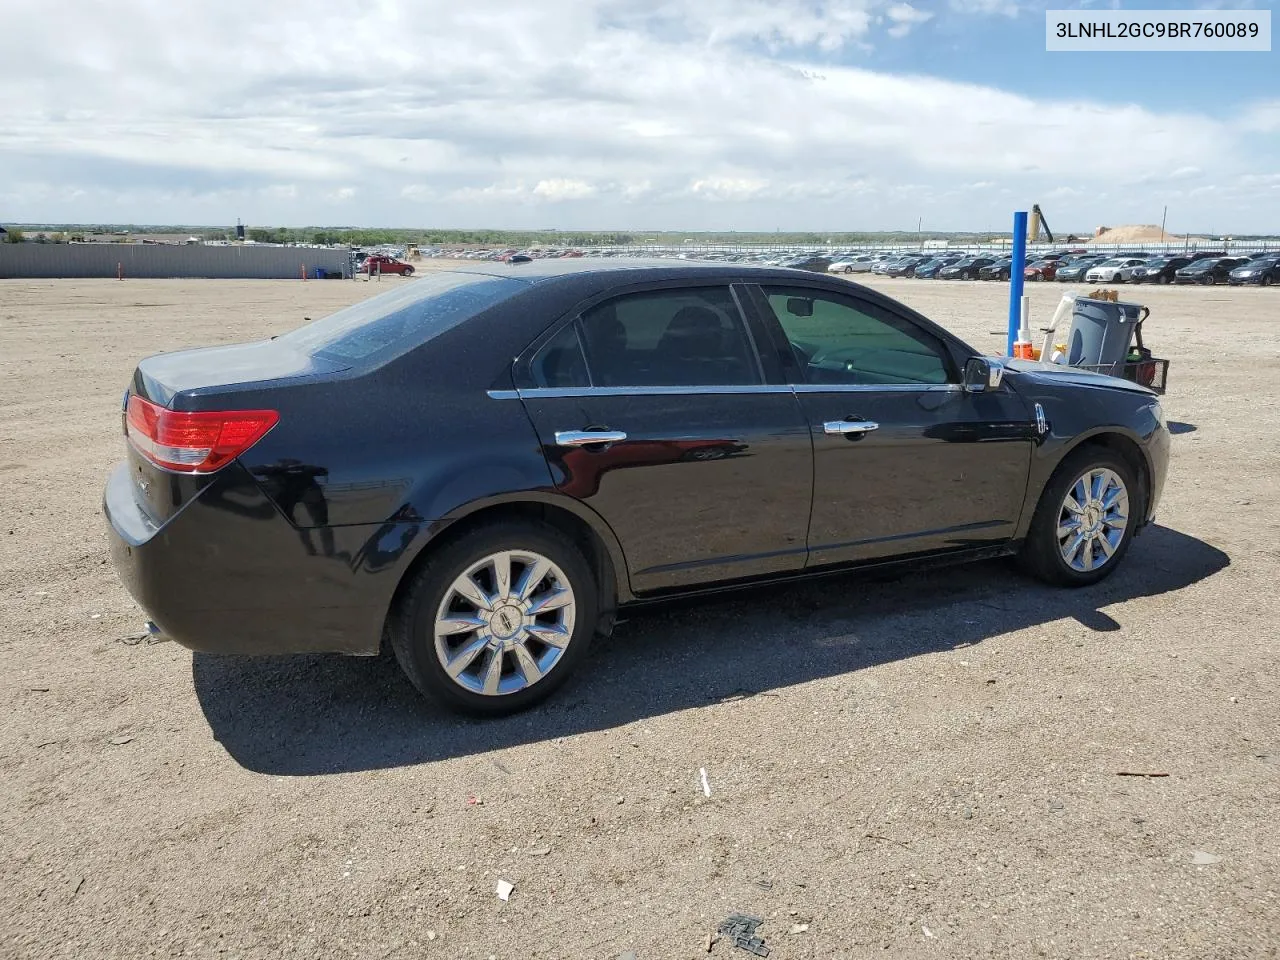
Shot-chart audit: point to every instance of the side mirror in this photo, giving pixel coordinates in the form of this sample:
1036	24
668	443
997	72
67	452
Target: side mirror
982	374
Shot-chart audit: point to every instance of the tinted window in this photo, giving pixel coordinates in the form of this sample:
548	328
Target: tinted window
559	363
684	337
394	322
839	341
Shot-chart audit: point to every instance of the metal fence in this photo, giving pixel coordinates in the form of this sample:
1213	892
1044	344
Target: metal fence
50	260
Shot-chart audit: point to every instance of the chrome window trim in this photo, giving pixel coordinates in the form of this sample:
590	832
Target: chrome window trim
567	393
876	387
555	393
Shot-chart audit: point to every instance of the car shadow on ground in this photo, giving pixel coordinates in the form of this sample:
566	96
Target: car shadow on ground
298	716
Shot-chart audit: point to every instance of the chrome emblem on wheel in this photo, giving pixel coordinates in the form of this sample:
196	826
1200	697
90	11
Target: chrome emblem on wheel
1092	519
504	623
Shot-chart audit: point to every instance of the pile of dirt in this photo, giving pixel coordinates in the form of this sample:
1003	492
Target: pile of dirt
1139	233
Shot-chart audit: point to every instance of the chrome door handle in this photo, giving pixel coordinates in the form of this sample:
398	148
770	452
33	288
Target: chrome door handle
850	426
585	438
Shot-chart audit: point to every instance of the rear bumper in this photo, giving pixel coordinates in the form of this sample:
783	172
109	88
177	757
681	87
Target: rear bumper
229	574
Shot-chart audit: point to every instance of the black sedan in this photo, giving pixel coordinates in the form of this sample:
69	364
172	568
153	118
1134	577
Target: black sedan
997	269
1158	270
813	264
664	428
930	269
905	266
966	269
1264	271
1208	271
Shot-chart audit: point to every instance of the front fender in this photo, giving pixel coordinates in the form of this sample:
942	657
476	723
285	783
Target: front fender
1071	423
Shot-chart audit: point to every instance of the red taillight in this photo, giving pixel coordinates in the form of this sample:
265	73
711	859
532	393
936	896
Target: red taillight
194	442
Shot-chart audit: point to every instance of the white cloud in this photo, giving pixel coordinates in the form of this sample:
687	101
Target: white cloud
903	16
636	189
562	189
1008	8
725	113
728	188
1261	118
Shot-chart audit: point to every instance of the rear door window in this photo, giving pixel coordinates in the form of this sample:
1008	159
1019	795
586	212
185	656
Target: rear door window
678	337
559	362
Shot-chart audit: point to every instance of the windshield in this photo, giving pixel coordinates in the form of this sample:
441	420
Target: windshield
1113	263
394	322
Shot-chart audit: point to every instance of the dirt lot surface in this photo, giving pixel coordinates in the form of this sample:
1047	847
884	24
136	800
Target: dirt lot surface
920	768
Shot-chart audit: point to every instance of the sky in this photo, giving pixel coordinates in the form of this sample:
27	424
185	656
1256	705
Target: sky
828	115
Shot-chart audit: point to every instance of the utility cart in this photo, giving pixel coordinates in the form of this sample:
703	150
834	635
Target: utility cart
1105	336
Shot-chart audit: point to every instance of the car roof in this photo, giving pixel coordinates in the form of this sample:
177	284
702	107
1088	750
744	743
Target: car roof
644	268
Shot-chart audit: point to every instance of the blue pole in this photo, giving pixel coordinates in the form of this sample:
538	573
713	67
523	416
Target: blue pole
1016	278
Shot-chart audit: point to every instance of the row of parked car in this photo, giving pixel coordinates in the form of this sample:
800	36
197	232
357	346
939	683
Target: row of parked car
1071	266
1204	268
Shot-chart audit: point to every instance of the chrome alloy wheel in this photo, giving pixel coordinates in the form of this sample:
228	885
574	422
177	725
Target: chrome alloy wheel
504	623
1092	519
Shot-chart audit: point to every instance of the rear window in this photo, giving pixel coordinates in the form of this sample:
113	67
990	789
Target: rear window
393	323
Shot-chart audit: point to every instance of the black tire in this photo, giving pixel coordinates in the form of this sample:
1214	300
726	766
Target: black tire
1208	280
1164	278
848	269
967	275
408	272
1266	280
412	623
1004	276
1040	555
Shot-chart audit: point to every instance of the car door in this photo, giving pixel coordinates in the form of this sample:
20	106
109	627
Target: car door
905	460
702	468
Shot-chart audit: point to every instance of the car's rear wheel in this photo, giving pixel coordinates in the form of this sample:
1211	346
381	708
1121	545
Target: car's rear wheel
407	272
1085	520
498	619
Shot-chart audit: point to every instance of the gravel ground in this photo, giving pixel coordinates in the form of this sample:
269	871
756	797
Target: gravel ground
921	767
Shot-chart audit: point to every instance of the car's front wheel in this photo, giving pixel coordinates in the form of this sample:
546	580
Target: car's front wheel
498	619
1085	520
